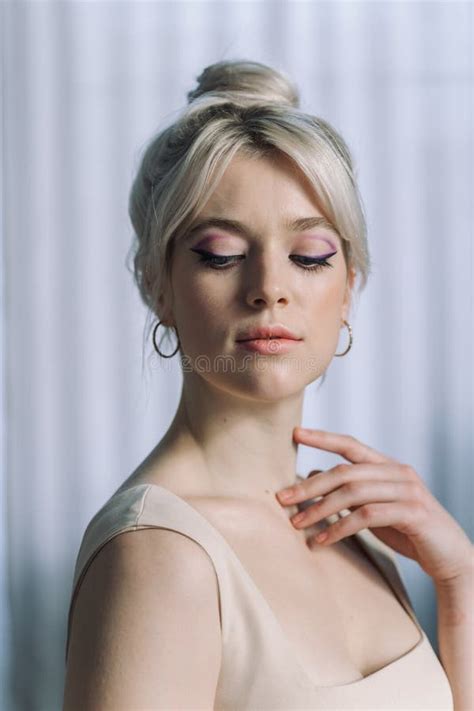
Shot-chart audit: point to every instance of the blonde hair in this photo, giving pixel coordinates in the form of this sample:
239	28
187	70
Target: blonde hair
250	108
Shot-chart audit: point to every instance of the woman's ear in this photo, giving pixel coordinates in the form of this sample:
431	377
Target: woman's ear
164	301
164	310
346	304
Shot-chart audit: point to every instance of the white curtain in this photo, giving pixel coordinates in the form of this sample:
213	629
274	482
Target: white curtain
85	84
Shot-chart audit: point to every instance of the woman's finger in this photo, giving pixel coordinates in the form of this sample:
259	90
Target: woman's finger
347	446
401	516
320	483
353	495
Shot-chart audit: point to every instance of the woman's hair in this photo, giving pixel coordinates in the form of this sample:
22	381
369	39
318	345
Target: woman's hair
252	109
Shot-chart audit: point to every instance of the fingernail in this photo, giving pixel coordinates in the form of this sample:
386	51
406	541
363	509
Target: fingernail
285	494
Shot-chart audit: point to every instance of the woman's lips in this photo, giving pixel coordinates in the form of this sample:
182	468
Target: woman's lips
269	346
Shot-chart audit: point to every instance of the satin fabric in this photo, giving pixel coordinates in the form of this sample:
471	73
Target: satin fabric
259	669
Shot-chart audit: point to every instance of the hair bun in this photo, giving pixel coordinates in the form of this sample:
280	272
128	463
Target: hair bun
245	83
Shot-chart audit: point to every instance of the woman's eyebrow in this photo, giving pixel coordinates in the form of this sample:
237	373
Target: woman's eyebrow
301	223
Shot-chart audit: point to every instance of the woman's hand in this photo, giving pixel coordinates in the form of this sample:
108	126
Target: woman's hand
386	496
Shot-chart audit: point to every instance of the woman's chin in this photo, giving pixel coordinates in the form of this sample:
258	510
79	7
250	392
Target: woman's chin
263	386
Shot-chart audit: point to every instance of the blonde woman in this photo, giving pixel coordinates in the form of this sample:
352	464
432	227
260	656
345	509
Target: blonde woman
195	586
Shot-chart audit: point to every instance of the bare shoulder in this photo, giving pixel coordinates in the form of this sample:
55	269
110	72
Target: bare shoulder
146	613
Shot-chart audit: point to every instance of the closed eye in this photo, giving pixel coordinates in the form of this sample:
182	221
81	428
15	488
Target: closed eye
223	263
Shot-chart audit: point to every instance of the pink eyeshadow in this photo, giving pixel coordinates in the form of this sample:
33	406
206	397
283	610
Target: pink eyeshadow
325	239
209	239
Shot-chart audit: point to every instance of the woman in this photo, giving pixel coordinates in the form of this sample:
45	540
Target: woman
250	237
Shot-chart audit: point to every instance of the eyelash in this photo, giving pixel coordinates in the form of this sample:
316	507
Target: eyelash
211	261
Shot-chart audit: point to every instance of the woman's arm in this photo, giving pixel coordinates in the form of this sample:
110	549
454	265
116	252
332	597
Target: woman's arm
456	636
146	631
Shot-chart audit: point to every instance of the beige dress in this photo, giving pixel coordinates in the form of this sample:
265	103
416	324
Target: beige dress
258	669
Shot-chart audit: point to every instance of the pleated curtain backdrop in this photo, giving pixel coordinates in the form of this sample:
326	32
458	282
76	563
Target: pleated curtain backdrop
85	86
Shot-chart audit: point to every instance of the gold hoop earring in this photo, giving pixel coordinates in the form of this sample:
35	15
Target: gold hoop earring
163	355
350	339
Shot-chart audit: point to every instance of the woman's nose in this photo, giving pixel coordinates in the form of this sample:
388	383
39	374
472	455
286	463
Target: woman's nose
265	284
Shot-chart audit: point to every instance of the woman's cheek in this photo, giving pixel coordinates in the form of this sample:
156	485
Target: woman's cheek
196	318
324	328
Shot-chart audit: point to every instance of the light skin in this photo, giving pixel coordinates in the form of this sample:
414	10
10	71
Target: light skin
255	413
391	499
253	410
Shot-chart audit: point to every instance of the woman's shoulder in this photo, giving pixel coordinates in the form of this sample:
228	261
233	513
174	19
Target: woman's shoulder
157	515
132	585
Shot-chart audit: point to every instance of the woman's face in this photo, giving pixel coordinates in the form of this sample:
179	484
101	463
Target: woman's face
268	281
